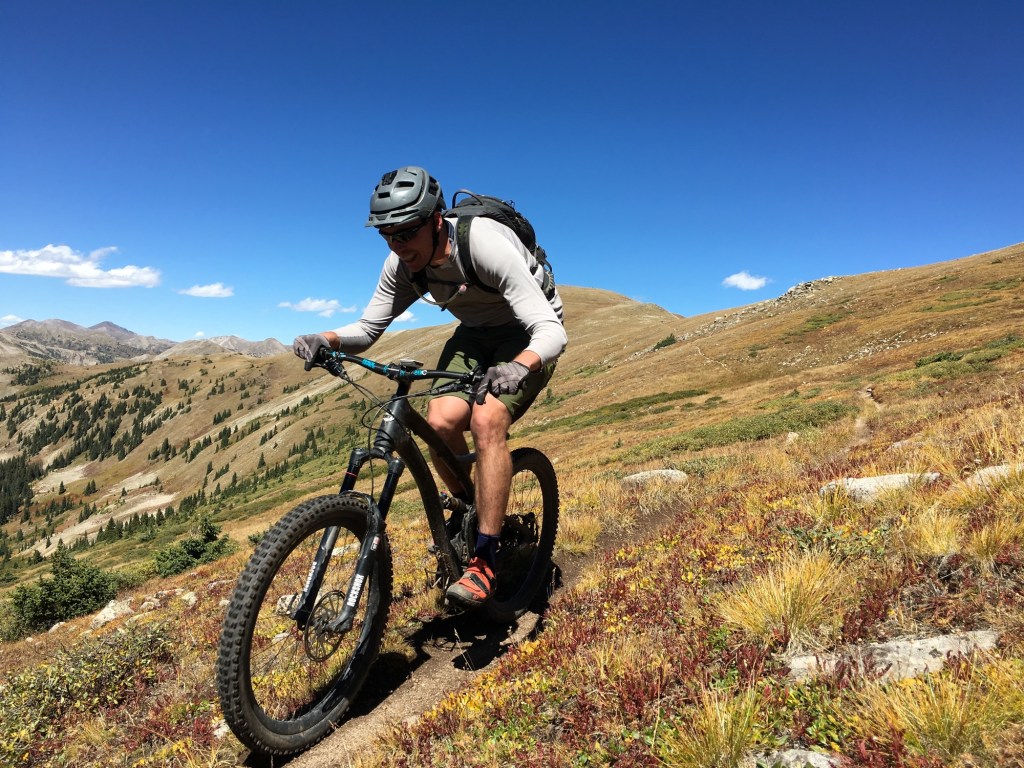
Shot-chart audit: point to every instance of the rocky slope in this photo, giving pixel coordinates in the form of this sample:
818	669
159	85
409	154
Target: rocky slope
106	342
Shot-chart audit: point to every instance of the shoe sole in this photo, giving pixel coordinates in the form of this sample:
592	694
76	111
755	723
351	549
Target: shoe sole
465	601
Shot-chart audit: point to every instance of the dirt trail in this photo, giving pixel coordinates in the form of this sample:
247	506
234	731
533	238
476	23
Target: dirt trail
861	430
450	651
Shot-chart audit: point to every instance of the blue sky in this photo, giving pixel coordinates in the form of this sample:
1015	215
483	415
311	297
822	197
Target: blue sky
193	168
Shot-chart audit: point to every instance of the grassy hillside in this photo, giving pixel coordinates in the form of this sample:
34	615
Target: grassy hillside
668	637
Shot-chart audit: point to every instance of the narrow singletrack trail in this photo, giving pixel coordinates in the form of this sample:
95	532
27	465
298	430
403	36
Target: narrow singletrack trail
861	429
449	651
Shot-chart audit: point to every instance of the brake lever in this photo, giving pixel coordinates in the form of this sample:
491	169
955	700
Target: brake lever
478	375
334	367
324	359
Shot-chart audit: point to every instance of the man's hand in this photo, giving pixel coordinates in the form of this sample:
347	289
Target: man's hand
503	379
307	347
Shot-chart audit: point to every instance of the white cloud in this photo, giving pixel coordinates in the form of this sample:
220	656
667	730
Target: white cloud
77	269
323	307
212	291
745	281
200	334
9	320
405	317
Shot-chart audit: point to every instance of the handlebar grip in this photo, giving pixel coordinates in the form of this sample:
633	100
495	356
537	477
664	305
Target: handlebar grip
320	358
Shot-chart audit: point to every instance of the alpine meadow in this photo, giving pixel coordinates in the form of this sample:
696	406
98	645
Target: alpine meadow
790	533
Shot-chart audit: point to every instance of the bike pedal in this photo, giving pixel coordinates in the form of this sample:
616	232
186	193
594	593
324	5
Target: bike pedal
434	579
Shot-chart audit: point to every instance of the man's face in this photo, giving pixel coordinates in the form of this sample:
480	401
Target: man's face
413	243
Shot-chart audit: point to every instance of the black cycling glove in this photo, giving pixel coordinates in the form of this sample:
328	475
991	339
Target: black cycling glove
308	346
503	379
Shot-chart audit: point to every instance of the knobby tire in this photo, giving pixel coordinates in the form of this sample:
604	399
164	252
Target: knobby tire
528	536
283	688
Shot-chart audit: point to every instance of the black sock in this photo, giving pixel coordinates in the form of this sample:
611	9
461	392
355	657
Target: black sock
487	548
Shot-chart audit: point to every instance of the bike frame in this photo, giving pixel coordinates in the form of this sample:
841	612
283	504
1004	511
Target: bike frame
393	442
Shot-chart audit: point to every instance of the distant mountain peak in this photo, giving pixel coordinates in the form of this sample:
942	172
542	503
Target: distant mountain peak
107	342
56	339
265	348
113	329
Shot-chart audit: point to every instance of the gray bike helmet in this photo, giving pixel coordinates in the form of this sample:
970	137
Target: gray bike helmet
408	194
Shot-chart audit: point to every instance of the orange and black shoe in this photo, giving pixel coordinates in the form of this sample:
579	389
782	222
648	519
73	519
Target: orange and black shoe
475	587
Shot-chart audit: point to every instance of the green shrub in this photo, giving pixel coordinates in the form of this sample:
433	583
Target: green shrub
134	575
615	412
257	537
938	357
75	589
792	419
205	546
817	322
37	704
668	341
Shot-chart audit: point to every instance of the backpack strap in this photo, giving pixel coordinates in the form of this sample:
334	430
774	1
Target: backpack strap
465	258
466	261
419	279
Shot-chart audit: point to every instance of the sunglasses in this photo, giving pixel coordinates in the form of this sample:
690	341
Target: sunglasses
403	235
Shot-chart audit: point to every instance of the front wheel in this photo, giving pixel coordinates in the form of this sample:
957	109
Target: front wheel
283	681
527	536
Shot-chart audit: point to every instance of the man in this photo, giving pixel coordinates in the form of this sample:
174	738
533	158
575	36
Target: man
515	334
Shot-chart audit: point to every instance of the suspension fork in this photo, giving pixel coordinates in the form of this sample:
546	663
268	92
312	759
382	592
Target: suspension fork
368	550
317	569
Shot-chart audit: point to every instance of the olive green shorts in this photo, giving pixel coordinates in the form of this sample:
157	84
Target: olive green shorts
469	348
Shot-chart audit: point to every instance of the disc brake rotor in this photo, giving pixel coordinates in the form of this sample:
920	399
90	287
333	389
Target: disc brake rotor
319	641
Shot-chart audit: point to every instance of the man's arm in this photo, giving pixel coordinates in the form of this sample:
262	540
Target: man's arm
530	359
502	261
394	294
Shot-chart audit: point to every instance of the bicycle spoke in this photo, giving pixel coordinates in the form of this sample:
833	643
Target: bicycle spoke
528	534
286	678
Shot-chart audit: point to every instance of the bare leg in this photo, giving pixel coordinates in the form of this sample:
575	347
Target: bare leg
489	424
449	416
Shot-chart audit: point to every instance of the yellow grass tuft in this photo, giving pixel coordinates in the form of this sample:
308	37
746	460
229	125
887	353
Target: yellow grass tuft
578	533
612	658
990	541
933	532
830	507
986	436
952	718
719	733
798	599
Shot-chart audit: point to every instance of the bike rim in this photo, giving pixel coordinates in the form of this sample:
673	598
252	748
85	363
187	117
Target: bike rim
520	562
293	671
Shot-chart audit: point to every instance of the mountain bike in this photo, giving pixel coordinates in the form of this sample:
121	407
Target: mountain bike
306	619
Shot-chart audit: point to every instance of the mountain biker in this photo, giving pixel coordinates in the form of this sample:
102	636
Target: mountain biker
515	335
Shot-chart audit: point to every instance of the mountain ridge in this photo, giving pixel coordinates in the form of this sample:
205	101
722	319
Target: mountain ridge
106	342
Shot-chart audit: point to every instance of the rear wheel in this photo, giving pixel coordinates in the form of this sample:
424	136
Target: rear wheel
284	683
528	535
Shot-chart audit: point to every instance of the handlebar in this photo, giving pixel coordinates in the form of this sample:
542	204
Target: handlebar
407	371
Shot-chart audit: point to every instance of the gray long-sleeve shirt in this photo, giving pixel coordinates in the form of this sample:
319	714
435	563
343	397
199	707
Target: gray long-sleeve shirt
501	262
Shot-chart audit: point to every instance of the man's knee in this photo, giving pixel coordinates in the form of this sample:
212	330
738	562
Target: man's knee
490	425
448	415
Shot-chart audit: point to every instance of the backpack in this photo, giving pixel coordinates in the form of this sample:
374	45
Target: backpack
502	211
